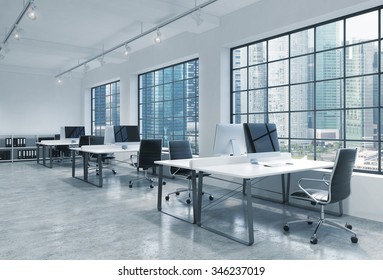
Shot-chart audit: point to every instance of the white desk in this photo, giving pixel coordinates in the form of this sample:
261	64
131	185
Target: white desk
98	150
236	167
51	144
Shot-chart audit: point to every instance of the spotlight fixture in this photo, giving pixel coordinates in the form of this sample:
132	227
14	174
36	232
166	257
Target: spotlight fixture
86	68
32	15
157	39
59	80
16	33
197	17
101	60
127	50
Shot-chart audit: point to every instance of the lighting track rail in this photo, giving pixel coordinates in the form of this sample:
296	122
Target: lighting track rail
151	30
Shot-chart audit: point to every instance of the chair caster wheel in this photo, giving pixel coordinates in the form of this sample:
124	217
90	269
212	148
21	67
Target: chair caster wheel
151	186
97	173
164	183
211	197
177	193
130	184
167	198
188	201
314	240
286	228
354	239
348	226
114	172
309	222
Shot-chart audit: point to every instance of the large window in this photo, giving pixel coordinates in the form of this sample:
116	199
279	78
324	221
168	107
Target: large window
168	103
321	85
105	107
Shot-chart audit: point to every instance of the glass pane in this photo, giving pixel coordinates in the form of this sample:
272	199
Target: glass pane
329	124
178	72
329	64
367	154
302	97
326	150
179	90
329	95
239	79
257	101
282	122
329	36
159	77
278	73
302	69
239	57
240	102
239	118
361	124
302	149
301	124
360	59
190	69
257	76
278	99
257	53
362	92
168	91
159	93
362	28
279	48
257	118
168	75
302	42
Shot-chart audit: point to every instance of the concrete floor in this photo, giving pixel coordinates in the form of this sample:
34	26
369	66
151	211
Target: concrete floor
46	214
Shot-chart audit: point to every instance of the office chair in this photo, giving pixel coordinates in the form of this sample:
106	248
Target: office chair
95	140
150	151
180	149
61	151
332	190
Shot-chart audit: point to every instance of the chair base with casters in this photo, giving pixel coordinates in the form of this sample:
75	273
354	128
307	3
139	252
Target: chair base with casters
147	178
189	190
319	222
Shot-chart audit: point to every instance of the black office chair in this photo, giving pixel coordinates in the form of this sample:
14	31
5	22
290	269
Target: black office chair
61	151
150	151
336	189
180	149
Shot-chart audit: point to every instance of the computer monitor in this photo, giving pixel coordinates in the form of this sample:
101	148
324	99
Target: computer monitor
74	131
261	137
229	140
126	133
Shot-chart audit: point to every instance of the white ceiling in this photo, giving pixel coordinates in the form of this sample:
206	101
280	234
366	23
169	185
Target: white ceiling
69	32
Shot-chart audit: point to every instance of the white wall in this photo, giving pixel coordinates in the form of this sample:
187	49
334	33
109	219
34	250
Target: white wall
34	104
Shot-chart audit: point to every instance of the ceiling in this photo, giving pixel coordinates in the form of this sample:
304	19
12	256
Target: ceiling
69	32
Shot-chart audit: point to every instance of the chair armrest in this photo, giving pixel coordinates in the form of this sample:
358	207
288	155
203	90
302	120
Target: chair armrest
322	182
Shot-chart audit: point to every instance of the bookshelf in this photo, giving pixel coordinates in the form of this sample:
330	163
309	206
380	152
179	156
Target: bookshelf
19	147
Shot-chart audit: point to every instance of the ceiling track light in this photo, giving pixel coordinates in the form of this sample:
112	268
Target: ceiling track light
142	34
17	33
157	39
11	31
32	15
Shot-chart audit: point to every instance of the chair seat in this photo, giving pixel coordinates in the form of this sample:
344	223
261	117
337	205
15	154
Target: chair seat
319	195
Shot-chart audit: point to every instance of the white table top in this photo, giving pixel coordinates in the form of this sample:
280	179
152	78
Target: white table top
58	142
106	149
242	168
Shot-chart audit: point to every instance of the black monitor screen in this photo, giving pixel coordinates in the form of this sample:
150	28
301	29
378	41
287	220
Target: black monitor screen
74	131
261	137
126	133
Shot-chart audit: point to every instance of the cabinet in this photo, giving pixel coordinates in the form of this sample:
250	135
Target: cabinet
19	147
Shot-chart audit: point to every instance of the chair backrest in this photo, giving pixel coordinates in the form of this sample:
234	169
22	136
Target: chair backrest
341	175
150	151
261	137
84	140
180	149
96	140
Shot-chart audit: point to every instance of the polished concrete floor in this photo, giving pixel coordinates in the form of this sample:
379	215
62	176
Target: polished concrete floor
46	214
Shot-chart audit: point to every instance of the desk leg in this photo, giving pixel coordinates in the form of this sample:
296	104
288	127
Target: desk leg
288	188
195	198
44	155
198	212
249	203
85	163
73	163
37	153
50	156
99	161
160	179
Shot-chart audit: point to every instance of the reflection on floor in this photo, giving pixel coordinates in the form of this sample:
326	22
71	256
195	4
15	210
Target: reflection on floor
47	214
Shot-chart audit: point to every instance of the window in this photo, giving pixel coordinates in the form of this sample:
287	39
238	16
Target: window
168	103
105	107
321	85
